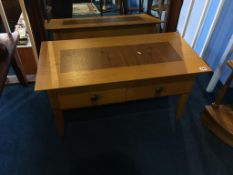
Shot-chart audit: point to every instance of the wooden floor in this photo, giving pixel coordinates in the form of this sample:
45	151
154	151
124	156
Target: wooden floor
93	22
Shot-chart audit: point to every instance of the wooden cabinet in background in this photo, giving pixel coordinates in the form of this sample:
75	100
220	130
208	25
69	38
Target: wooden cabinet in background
27	59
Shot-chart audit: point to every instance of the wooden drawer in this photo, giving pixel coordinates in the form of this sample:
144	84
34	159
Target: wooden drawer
85	99
147	90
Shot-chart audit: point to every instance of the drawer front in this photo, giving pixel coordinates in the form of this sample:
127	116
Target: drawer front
95	32
85	99
135	92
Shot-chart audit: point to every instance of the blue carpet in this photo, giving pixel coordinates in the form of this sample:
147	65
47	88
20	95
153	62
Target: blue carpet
138	138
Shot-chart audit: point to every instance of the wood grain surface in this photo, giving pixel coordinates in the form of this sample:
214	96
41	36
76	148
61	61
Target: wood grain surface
105	31
50	77
93	22
103	20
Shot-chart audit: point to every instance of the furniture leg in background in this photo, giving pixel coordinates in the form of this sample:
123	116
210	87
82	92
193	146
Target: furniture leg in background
141	6
101	7
149	6
218	118
172	21
161	10
105	9
126	7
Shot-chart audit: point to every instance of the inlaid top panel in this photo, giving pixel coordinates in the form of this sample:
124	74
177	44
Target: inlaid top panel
118	56
102	20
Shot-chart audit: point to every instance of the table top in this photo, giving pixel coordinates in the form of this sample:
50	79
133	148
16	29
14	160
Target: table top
101	21
87	62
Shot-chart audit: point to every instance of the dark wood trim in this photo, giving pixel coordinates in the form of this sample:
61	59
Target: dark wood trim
35	14
174	15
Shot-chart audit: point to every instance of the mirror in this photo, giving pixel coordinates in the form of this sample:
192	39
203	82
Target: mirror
88	8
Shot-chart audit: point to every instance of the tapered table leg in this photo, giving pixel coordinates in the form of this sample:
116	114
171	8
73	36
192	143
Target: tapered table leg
141	2
149	6
121	7
181	105
53	97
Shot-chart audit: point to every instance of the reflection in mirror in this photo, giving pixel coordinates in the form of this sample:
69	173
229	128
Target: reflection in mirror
87	8
61	8
74	8
91	8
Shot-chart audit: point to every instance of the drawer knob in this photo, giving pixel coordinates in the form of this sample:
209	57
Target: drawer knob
94	98
158	90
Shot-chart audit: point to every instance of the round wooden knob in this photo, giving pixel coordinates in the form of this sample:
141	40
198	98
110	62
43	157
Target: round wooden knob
94	98
3	51
158	90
